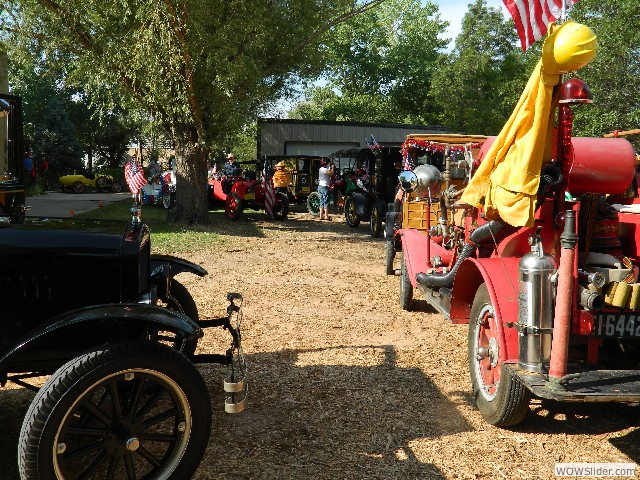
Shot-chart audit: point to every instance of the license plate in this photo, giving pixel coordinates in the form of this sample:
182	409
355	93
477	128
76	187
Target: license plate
618	325
305	189
249	196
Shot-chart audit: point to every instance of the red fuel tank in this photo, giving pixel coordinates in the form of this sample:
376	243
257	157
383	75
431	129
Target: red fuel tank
601	165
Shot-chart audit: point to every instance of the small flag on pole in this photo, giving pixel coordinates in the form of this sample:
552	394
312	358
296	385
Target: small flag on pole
269	192
374	142
134	175
532	17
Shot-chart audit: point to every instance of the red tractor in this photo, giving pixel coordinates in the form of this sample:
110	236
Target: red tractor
554	308
250	193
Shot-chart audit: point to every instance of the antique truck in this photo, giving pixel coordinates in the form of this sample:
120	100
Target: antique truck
87	303
551	297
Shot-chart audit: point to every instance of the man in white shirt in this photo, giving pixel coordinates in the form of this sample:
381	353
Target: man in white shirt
324	180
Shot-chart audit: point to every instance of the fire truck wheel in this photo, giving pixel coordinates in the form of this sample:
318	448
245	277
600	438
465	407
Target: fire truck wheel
350	212
502	400
390	257
281	209
375	223
233	206
406	289
313	203
129	410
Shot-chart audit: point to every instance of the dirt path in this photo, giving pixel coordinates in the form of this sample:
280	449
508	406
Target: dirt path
344	384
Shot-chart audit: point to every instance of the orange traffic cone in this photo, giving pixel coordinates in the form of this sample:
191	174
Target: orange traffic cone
100	204
72	213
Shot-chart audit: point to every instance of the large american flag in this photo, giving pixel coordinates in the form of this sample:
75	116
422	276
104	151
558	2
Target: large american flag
134	175
533	16
267	187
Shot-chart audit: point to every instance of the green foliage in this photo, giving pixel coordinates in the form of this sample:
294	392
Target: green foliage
614	75
56	138
478	84
380	66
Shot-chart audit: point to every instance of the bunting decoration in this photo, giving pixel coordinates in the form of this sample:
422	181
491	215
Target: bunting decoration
428	146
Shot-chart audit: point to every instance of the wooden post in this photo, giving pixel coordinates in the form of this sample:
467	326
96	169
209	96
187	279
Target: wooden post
4	88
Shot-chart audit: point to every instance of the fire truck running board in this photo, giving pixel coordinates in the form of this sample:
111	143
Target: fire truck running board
438	299
587	386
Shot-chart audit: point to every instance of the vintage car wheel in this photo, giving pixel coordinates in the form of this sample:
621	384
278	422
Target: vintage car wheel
130	410
350	212
233	206
406	289
502	400
281	209
375	223
67	188
390	255
78	187
313	203
102	182
116	187
180	300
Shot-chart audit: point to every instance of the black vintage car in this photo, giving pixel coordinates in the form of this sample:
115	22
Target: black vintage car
87	303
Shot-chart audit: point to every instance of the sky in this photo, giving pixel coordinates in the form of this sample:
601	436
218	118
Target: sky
453	11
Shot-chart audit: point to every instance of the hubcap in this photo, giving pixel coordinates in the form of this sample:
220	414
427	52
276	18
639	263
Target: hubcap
487	365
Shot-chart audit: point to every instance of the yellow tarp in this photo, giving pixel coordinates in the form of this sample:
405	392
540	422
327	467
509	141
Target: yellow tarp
507	180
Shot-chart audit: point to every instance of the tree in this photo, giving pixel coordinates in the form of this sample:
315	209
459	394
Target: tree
614	75
56	138
380	67
478	84
201	68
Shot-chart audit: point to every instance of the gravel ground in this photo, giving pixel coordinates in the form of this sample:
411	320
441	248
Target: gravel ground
346	385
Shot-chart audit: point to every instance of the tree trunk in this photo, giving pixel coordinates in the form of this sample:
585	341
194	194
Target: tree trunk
191	183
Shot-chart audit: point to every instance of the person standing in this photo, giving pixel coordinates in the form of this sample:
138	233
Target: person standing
43	168
29	169
324	180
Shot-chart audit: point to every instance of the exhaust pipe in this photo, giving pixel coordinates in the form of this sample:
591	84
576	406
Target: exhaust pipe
493	229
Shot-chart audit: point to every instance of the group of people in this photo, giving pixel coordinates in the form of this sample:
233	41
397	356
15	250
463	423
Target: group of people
33	170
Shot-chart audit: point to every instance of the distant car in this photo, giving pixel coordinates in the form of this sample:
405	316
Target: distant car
79	183
160	190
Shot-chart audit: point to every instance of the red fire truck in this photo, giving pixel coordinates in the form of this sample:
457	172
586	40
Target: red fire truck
553	309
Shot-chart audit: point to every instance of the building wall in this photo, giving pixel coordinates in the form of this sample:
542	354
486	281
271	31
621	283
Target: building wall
284	137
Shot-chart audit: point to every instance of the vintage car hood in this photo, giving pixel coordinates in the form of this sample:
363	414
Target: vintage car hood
70	234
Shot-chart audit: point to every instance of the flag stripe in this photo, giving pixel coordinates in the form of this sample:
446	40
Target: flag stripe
533	16
134	175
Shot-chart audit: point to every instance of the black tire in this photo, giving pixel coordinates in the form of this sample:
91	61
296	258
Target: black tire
281	209
102	182
108	412
375	222
67	188
406	289
166	199
180	300
116	187
233	206
78	187
505	402
350	212
390	255
313	203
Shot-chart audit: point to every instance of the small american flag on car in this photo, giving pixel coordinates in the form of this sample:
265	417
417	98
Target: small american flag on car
134	175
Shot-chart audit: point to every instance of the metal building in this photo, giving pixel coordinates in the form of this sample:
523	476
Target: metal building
279	138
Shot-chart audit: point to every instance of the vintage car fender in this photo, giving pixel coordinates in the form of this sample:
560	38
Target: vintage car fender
102	321
165	267
501	277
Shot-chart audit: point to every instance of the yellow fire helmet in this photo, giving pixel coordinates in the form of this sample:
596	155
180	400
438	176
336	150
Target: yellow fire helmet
568	47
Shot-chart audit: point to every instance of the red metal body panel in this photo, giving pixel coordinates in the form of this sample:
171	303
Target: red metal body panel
501	277
416	253
601	165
